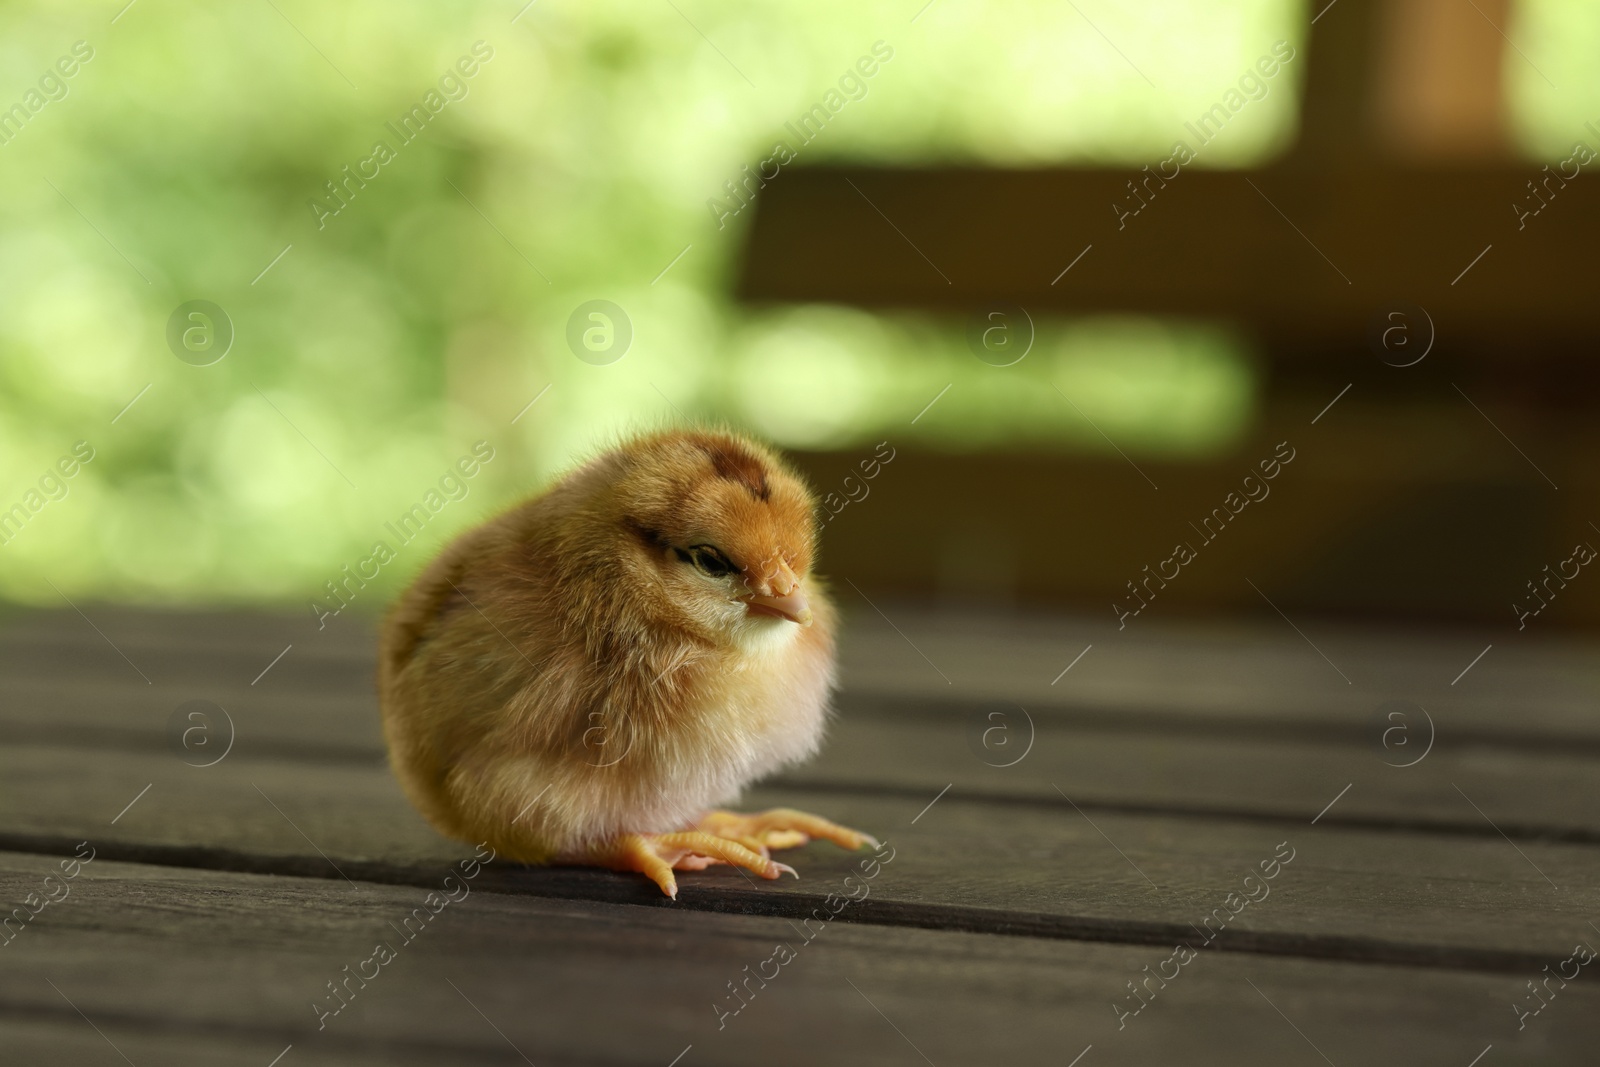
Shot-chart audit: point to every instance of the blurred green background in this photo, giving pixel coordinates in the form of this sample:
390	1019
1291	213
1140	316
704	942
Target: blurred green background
182	159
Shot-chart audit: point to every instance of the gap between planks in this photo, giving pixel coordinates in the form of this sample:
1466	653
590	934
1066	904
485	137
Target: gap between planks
604	887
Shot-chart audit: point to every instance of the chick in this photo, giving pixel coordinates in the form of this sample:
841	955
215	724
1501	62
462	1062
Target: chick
581	679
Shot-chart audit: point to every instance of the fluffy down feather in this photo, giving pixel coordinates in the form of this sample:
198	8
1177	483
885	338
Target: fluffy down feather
576	668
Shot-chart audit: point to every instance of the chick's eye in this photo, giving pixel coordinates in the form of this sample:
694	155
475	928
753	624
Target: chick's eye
708	560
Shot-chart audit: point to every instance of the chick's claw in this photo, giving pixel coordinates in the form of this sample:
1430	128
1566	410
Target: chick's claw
657	855
782	828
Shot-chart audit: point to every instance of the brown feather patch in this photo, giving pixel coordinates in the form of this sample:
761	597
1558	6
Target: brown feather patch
737	465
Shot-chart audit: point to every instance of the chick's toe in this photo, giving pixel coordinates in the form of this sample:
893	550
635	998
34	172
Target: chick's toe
657	855
782	828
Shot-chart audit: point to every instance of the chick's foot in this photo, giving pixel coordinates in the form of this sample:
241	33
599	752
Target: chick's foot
781	828
657	855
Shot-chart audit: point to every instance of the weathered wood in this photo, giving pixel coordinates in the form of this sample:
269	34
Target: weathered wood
1257	672
163	959
1231	774
1530	689
1262	736
202	630
1146	762
164	658
1046	869
1006	920
1248	764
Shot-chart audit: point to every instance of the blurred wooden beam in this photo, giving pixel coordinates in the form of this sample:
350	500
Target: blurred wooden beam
1396	190
1420	81
1306	254
1439	80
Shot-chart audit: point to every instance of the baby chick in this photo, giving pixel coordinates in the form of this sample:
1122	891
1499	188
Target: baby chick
582	678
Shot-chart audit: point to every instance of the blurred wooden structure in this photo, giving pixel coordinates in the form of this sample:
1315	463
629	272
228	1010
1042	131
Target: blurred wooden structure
1042	860
1437	489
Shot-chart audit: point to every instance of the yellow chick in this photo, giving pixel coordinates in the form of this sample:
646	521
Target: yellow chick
583	678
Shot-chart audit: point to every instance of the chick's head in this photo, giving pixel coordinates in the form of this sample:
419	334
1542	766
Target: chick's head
723	533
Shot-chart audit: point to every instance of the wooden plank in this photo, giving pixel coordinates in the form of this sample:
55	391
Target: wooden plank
1530	795
1266	728
162	959
1230	669
204	630
913	747
36	1035
1447	900
1252	750
1302	252
159	657
1144	762
1532	688
307	722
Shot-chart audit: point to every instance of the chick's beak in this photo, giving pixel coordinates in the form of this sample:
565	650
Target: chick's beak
792	607
778	594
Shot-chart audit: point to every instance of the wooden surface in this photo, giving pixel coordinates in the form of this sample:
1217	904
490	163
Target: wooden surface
1035	872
